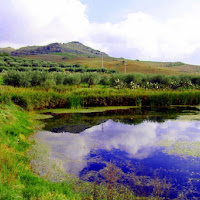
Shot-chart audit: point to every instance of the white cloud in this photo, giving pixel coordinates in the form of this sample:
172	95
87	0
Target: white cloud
138	36
42	21
144	36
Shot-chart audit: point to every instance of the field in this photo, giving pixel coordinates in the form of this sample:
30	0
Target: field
133	66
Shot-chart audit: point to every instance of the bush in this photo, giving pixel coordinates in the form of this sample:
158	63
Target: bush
72	79
48	84
59	78
90	78
105	80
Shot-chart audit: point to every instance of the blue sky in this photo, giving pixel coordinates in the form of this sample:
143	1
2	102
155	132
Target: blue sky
162	30
116	10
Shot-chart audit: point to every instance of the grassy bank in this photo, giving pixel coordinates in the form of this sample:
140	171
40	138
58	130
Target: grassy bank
16	178
73	97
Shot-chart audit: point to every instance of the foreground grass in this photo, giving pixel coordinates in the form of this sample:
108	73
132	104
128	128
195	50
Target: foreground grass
16	178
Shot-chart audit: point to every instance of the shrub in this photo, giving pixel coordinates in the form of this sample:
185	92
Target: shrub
105	80
59	78
90	78
48	84
72	79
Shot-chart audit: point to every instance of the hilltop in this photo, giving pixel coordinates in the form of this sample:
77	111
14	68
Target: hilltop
59	48
7	50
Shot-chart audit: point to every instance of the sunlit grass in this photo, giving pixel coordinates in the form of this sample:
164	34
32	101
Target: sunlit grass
73	97
17	181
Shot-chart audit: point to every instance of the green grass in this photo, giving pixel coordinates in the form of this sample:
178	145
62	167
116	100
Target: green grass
1	80
86	110
73	55
17	181
68	55
73	97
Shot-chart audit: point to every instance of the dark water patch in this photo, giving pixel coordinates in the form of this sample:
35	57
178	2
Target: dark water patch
78	122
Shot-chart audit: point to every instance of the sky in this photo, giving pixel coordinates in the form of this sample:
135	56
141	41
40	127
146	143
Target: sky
158	30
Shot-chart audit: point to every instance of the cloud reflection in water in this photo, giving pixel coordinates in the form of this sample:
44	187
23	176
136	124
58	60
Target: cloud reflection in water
138	141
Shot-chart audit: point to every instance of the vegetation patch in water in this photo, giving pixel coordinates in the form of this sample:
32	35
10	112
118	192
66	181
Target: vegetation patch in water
182	148
86	110
191	116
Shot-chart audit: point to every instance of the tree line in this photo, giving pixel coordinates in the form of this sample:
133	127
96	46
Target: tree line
119	81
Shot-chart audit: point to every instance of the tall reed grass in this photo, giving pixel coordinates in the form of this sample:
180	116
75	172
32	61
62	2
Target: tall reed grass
73	97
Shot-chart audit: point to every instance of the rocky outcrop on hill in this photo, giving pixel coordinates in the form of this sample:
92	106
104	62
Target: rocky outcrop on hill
71	47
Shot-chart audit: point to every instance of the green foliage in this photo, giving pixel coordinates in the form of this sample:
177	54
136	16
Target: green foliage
59	78
4	54
22	64
90	78
37	78
91	97
3	63
75	101
105	80
48	84
175	64
72	79
1	80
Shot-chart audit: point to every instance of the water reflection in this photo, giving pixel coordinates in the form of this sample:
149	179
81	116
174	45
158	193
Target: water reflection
140	145
138	141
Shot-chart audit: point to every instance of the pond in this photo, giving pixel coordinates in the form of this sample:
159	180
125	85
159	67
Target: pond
152	151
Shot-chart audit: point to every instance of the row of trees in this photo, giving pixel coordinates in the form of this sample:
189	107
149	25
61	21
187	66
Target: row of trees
21	64
58	69
31	79
133	81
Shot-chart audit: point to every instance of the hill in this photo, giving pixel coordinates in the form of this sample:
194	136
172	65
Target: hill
71	47
73	53
132	66
7	50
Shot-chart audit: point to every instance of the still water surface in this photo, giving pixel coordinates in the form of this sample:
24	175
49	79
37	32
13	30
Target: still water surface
161	144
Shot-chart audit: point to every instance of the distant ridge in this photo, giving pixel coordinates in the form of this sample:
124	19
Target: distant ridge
70	47
7	50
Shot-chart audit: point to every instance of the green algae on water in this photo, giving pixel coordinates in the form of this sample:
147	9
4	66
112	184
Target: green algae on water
181	148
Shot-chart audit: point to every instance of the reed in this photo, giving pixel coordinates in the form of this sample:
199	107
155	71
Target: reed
75	97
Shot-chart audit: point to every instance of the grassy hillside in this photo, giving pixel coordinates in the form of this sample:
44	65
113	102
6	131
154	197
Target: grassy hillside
133	66
6	50
77	53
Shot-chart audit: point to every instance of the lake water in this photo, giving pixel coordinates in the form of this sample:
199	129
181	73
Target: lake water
151	148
